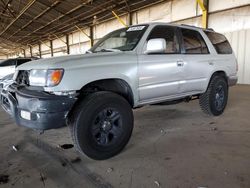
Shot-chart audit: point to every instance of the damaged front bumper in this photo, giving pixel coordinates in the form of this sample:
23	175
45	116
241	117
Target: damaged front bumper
36	109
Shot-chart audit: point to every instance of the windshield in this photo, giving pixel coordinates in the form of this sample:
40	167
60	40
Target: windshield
125	39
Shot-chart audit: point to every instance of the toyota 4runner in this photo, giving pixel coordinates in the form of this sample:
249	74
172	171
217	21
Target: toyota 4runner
94	93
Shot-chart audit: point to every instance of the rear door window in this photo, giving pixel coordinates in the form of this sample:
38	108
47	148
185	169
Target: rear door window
193	43
219	42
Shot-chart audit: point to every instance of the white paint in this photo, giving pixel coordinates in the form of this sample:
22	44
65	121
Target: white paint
79	36
182	9
80	48
215	5
35	51
231	20
240	41
194	21
3	57
45	46
59	42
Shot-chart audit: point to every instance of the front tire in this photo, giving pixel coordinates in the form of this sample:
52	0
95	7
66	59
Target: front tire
214	100
102	125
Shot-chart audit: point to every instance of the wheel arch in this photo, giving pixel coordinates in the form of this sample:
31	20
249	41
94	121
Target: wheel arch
221	73
116	85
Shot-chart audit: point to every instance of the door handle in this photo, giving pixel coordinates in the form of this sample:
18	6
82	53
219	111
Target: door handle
211	63
180	63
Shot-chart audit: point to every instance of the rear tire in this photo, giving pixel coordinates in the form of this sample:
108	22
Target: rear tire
214	100
101	125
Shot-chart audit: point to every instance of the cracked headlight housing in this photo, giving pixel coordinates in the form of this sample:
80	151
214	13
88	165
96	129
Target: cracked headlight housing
45	78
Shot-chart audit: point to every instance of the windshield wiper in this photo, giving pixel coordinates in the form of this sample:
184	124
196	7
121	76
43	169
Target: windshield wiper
89	52
109	50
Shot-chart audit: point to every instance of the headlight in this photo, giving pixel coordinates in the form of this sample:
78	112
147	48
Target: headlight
48	78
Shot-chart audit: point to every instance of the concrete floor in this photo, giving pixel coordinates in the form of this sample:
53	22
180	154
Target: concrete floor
172	146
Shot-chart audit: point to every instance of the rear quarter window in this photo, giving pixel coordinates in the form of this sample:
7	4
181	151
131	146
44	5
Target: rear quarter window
219	42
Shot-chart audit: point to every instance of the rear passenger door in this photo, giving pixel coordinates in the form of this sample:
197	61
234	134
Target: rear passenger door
197	58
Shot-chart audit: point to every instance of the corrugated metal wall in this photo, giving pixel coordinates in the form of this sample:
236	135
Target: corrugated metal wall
240	41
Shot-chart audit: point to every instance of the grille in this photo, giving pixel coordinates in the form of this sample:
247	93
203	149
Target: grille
5	103
23	77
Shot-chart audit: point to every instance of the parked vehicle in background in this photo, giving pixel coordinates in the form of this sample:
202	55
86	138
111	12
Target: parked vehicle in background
8	66
94	94
5	82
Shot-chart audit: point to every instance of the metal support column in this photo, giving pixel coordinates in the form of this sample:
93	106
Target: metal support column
40	51
67	44
130	17
51	48
24	53
31	54
91	36
204	4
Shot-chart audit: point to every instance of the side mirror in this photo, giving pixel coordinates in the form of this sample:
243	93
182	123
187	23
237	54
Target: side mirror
156	46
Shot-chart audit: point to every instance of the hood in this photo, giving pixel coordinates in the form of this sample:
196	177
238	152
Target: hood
74	61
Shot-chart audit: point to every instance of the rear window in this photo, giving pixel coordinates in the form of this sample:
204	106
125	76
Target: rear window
220	43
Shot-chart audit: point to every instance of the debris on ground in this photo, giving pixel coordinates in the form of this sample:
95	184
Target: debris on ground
4	179
43	179
76	160
110	170
167	158
202	187
163	131
212	123
15	148
66	146
157	183
63	163
214	128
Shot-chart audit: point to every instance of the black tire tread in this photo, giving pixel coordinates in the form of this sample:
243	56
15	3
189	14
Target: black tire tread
205	98
73	130
81	108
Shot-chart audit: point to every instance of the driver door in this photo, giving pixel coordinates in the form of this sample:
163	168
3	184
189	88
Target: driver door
160	73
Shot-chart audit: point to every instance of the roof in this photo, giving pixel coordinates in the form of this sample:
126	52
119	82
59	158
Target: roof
28	22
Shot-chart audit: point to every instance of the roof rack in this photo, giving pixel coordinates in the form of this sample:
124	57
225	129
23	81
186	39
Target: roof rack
208	29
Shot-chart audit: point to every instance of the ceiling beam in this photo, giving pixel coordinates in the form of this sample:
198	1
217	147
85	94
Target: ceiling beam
82	15
31	2
87	20
36	17
71	22
54	20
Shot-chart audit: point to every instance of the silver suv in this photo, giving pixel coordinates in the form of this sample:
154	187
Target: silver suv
94	93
